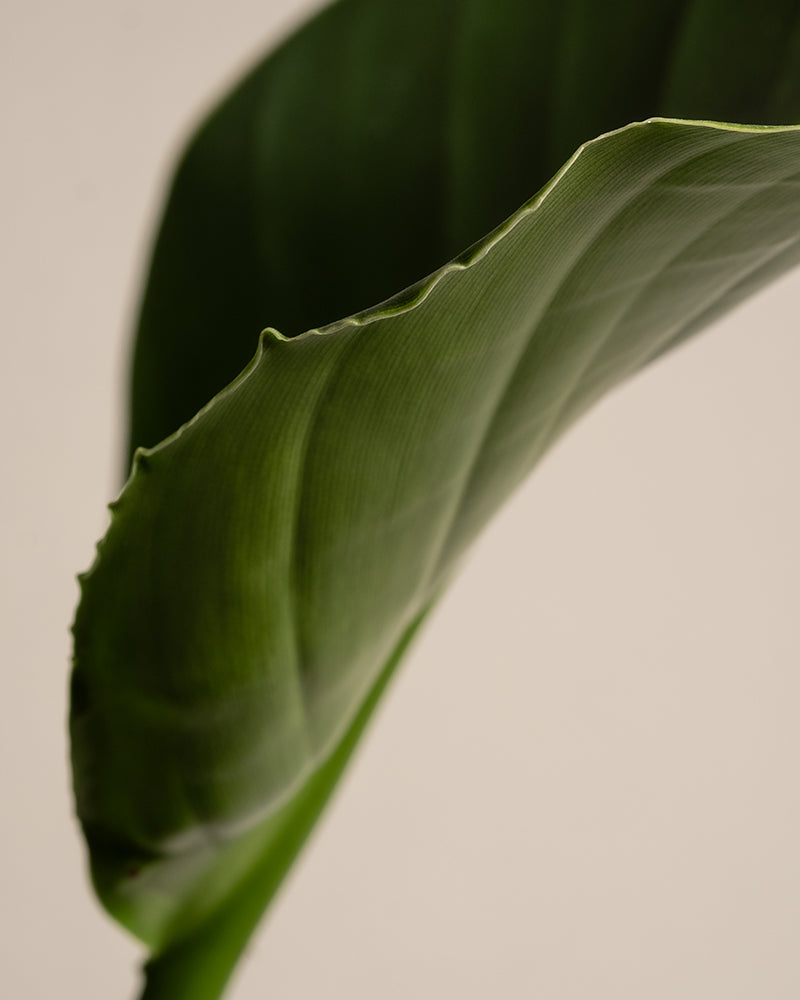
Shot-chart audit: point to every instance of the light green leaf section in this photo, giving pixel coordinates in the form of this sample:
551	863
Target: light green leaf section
268	561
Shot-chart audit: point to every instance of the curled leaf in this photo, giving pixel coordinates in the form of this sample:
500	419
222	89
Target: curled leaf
269	559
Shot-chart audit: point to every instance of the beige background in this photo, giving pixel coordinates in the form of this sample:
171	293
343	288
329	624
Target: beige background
584	784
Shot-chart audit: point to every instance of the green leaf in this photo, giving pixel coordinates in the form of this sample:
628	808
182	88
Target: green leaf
267	562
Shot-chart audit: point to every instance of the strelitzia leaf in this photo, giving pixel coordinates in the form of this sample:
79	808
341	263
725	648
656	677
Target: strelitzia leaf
268	560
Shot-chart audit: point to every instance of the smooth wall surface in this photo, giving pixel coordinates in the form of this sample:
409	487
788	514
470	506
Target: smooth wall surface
583	785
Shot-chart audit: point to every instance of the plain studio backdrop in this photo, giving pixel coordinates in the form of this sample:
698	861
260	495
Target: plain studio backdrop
583	785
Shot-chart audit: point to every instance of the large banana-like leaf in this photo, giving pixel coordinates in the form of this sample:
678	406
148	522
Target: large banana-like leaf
268	560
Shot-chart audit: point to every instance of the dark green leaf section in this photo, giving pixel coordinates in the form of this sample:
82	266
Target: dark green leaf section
385	138
264	563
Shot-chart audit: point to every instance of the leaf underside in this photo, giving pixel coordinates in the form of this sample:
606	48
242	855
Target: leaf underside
268	560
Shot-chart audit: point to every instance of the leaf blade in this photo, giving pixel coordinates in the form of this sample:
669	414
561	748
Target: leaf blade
266	560
393	452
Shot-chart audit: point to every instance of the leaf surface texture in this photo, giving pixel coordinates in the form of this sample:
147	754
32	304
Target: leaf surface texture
268	560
